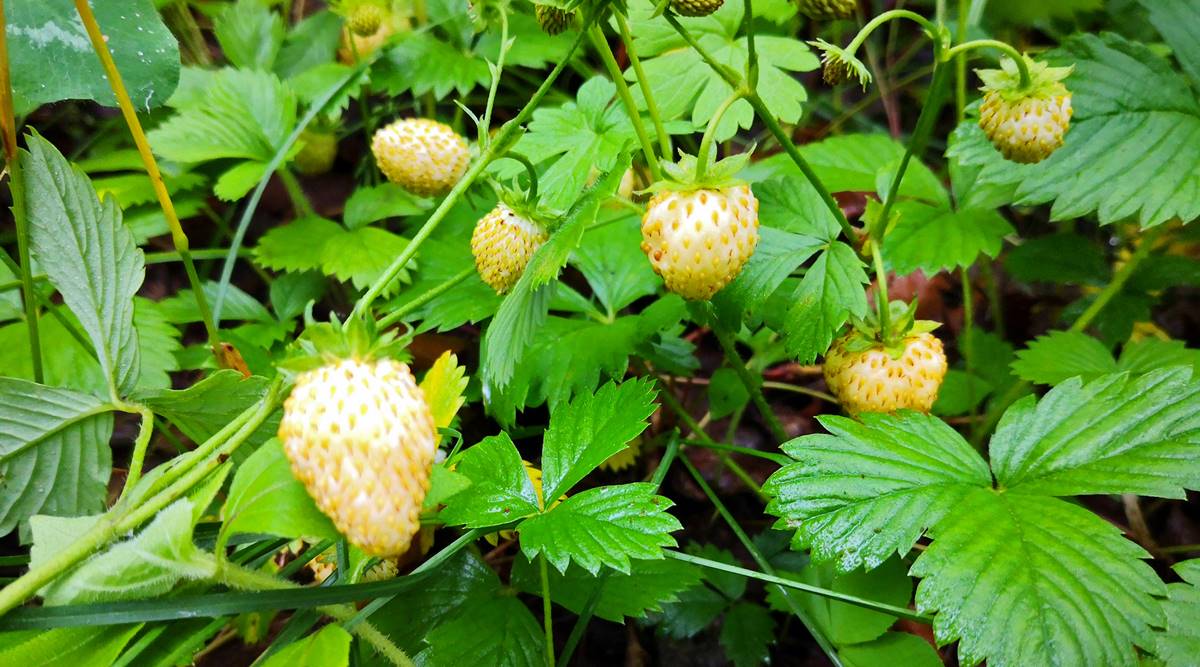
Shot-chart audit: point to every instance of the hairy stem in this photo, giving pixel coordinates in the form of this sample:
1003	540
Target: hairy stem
427	296
753	385
664	139
703	157
1022	66
600	42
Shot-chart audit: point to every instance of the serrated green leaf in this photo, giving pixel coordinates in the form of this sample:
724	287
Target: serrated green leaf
853	163
500	490
238	305
893	648
387	200
1179	643
48	37
1061	258
935	239
358	256
158	342
1059	355
1028	580
207	406
265	497
1116	434
960	393
471	300
611	259
1151	354
149	564
66	647
590	429
686	87
695	609
250	34
831	291
291	292
779	253
54	453
604	526
88	255
498	631
404	68
1126	98
649	586
845	624
1174	20
747	634
871	489
328	647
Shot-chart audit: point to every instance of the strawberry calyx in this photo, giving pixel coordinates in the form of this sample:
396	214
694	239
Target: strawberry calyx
685	176
324	343
840	65
866	333
1045	82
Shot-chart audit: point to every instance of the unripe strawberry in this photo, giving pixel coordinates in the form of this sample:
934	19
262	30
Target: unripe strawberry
423	156
355	48
872	380
366	19
695	7
503	243
1025	122
828	10
698	240
552	19
1027	130
360	437
317	154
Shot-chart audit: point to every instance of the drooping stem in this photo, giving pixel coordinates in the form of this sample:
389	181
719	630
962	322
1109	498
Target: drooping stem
178	237
883	18
137	459
753	386
664	139
493	150
1022	66
764	114
600	42
530	170
761	560
703	157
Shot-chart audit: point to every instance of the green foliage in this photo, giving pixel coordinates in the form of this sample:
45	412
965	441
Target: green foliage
649	586
89	256
54	455
328	647
1179	643
1126	98
265	498
831	291
871	489
358	256
935	239
250	34
45	37
80	646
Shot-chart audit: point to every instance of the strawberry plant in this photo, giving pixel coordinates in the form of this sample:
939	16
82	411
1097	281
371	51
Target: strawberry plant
554	332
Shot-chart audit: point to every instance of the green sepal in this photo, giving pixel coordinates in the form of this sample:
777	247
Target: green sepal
866	332
1045	81
324	343
839	65
682	176
517	198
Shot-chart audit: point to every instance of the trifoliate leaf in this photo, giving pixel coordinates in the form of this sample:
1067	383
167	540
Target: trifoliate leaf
869	490
1179	643
1126	98
649	586
1059	355
791	204
357	256
747	633
500	490
265	497
686	87
935	239
88	255
604	526
831	291
590	429
1028	580
1116	434
54	453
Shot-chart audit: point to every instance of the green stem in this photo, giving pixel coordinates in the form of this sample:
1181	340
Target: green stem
761	560
890	15
1022	66
710	133
882	607
668	457
547	618
960	62
735	449
530	170
968	332
178	237
797	389
882	305
235	576
137	459
664	139
16	186
486	125
600	42
585	617
751	52
502	140
300	203
753	385
427	296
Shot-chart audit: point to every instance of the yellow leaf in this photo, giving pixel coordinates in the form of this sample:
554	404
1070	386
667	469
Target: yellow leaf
444	385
